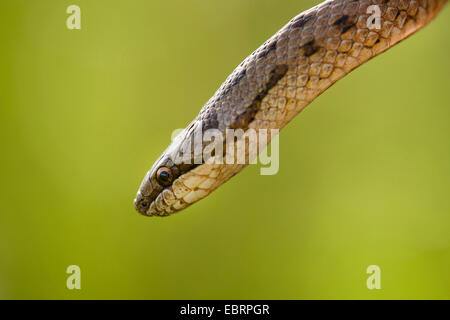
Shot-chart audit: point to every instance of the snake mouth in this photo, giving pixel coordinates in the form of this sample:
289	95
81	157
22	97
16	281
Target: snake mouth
162	201
186	189
165	203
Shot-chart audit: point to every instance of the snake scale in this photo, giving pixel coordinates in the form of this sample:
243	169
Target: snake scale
277	81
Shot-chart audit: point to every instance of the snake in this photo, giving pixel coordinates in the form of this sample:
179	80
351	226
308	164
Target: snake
271	86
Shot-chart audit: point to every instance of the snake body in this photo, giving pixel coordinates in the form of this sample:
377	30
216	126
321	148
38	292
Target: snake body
277	81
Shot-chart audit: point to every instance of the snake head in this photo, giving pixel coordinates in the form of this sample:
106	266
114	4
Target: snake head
174	183
156	193
157	181
177	179
148	191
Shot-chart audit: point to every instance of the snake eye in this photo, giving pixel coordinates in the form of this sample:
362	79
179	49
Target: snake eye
164	176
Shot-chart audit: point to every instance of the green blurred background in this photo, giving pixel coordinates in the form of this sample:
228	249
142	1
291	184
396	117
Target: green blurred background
364	171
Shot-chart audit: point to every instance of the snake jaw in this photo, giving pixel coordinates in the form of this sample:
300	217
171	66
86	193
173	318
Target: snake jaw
185	190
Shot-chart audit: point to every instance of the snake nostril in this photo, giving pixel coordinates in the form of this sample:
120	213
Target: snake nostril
141	204
144	204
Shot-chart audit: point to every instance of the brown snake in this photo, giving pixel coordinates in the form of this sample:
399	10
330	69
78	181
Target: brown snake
277	81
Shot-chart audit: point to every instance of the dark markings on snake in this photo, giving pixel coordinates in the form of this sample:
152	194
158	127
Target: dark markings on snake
267	50
233	82
210	121
346	28
185	167
346	22
310	48
300	21
341	20
239	77
244	119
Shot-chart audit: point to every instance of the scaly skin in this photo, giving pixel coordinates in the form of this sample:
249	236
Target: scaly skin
277	81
